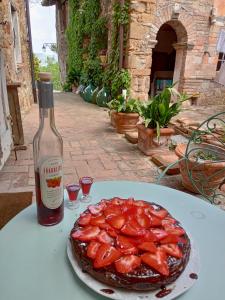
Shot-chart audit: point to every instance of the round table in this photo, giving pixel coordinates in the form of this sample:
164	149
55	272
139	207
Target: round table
34	263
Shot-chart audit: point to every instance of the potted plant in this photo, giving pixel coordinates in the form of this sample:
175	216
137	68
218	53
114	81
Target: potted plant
202	167
156	114
124	114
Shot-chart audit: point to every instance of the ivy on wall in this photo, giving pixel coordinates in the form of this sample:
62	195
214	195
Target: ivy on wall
114	77
86	36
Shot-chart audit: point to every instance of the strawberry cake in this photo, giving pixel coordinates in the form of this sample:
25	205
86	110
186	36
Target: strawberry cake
130	243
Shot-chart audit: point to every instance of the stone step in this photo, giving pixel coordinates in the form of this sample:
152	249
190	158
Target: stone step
164	160
132	137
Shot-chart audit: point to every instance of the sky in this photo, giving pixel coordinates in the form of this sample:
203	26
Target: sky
42	25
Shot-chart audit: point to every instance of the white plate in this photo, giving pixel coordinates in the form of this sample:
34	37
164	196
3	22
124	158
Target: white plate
181	285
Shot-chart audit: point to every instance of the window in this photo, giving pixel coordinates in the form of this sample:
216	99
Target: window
16	36
221	60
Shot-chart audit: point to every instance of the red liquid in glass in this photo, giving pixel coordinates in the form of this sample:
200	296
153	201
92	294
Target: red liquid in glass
86	183
46	216
73	190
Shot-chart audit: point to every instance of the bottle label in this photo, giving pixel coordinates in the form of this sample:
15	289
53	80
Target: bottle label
51	179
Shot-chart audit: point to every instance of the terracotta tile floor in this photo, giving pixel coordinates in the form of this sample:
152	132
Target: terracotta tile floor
91	147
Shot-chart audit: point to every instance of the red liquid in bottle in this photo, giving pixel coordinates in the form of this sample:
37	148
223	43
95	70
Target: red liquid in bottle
46	216
73	190
86	183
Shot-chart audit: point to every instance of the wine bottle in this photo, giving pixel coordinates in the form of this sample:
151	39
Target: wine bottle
48	158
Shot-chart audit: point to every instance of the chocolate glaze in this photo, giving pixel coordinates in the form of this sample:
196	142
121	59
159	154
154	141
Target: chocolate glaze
164	292
193	276
107	291
142	278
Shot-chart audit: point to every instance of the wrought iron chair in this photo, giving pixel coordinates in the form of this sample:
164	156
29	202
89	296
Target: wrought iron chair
202	160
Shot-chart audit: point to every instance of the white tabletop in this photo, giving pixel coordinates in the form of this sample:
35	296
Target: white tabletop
34	263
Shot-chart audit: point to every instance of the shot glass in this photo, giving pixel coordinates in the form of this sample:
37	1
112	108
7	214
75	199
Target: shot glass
85	184
73	190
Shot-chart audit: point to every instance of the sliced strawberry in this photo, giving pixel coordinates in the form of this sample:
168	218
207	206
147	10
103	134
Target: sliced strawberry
132	228
95	209
92	249
168	220
159	213
116	221
86	234
170	239
148	246
129	211
84	219
109	229
97	220
125	246
147	237
117	201
103	237
123	242
155	222
143	220
130	201
173	229
159	233
127	263
157	261
172	250
106	255
112	210
141	203
129	251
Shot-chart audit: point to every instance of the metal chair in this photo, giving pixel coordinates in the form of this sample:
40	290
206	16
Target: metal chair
202	160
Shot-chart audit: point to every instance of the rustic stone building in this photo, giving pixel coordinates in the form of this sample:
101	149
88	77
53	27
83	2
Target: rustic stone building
169	41
15	80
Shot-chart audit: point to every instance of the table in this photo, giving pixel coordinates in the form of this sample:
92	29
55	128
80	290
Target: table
34	263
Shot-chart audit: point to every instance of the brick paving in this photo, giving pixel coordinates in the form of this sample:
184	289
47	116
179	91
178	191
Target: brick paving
91	147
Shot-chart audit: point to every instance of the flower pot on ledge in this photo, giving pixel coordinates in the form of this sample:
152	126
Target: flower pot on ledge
206	175
147	139
126	122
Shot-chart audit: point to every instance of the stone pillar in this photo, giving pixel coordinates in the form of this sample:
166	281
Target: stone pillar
141	41
139	62
179	63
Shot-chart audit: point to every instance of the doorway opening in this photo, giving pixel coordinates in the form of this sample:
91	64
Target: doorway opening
163	60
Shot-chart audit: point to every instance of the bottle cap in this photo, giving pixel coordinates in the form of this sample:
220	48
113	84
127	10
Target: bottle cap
45	90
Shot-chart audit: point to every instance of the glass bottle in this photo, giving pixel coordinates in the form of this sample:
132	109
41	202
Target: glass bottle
48	158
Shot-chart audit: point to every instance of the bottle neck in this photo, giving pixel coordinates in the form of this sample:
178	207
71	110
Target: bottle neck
47	118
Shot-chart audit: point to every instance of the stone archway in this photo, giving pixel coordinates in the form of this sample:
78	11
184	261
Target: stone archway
168	56
163	59
144	28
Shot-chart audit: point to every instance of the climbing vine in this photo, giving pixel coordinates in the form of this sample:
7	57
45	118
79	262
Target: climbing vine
114	77
86	36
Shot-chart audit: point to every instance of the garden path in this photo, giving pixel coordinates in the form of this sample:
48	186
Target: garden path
91	147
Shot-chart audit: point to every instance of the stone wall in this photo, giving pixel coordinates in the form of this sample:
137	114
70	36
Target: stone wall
16	72
197	31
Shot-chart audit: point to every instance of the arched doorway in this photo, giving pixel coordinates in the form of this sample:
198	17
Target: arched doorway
168	56
163	59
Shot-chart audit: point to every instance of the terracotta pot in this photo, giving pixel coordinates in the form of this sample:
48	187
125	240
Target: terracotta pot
207	175
147	138
126	122
112	118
